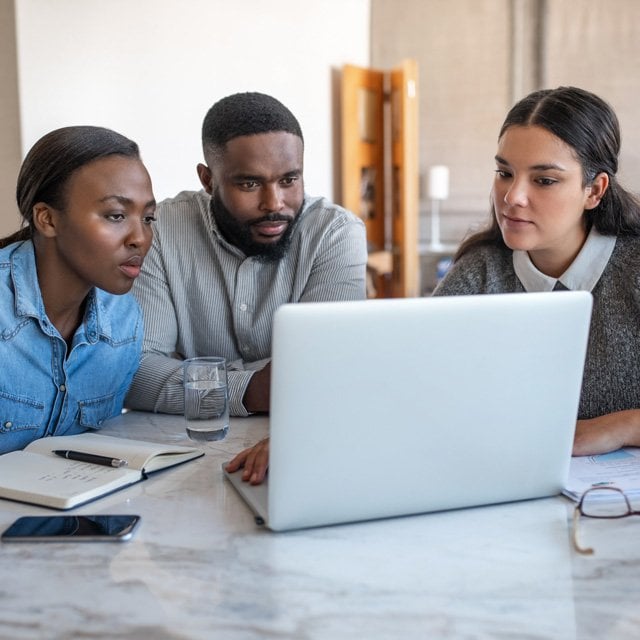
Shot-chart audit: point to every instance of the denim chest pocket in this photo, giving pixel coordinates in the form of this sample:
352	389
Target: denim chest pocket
93	413
19	414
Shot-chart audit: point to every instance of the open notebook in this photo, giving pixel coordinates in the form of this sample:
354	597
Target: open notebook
38	476
393	407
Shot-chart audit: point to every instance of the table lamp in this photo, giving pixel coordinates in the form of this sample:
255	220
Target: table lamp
438	191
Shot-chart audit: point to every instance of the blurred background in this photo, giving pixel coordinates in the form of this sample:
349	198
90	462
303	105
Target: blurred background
151	68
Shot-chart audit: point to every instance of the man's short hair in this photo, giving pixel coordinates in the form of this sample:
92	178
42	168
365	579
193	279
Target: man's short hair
245	114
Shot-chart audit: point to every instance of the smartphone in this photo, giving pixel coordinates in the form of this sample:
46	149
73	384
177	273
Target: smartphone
115	528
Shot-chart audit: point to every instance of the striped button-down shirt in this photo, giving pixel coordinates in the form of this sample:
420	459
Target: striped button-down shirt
201	296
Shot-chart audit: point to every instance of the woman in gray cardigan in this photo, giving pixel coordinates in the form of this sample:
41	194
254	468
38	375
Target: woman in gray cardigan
560	220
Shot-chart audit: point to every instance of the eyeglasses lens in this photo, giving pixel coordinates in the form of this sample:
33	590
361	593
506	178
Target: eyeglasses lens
605	503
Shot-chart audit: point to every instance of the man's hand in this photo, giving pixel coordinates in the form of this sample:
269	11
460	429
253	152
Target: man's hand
254	460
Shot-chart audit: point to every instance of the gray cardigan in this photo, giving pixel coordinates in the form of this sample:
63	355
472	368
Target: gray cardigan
611	379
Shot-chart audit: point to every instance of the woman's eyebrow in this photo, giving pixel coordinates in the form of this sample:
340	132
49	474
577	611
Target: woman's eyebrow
123	200
545	166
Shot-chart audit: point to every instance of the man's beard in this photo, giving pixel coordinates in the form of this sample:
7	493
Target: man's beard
239	233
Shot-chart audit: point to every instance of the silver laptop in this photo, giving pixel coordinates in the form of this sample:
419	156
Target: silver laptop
388	408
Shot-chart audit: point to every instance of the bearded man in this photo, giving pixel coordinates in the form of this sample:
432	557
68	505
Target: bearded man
225	258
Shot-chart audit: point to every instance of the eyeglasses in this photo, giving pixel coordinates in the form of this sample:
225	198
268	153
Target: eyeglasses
604	503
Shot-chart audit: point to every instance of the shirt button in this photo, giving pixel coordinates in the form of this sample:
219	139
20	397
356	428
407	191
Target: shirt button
243	307
8	424
63	387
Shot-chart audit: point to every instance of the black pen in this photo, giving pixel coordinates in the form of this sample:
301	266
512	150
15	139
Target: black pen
90	457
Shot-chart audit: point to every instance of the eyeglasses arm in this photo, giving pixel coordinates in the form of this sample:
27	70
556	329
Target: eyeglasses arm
576	545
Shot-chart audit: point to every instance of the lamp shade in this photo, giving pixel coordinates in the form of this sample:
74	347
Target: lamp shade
439	182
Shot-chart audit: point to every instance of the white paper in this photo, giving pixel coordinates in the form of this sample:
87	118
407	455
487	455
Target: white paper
616	469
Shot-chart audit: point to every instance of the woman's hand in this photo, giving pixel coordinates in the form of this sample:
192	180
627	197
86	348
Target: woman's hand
607	433
254	462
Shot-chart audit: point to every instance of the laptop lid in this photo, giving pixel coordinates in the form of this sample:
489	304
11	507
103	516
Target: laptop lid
392	407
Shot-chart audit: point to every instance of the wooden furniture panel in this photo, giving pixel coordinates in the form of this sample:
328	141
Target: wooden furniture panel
380	171
363	149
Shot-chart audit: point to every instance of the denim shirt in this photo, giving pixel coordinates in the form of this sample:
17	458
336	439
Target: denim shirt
45	388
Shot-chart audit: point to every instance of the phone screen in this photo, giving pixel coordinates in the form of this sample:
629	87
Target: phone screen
78	528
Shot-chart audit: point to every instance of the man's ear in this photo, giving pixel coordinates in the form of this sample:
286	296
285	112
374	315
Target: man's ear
596	190
204	173
45	219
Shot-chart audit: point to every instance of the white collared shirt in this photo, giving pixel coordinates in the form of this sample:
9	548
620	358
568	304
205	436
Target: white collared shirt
583	273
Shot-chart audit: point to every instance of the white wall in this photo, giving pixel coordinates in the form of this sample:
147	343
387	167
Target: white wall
9	121
150	69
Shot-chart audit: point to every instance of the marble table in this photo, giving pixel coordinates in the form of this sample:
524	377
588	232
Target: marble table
199	567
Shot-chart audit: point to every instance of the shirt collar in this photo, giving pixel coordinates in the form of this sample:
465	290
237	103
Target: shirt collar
28	298
583	273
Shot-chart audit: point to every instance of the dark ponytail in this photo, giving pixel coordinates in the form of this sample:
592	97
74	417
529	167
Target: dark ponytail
50	163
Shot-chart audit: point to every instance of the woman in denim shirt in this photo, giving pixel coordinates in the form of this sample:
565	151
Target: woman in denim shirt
69	341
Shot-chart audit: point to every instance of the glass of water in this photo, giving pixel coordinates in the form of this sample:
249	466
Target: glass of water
206	398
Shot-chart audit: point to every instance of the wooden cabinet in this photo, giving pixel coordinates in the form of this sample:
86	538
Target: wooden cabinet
379	143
